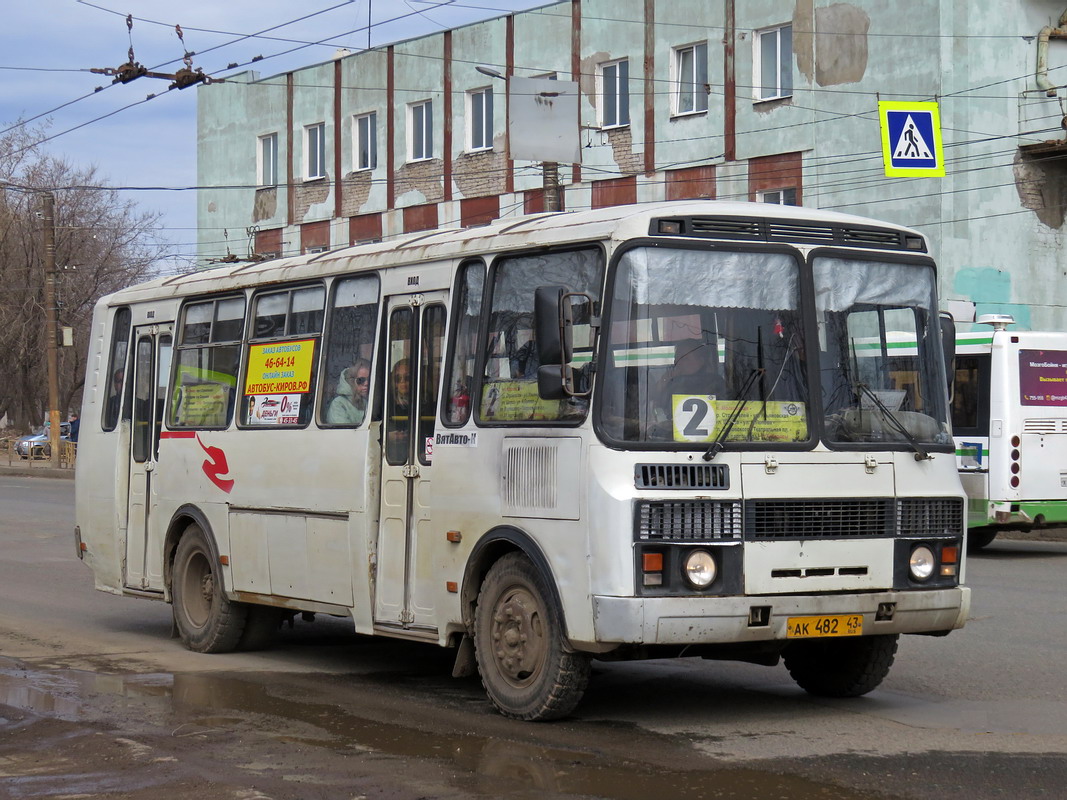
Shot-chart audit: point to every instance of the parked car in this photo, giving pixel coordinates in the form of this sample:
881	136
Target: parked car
36	444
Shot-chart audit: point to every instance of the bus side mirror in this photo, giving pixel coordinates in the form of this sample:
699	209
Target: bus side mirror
554	328
553	346
948	347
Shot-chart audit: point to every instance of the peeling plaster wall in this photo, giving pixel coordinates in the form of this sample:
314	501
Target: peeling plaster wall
840	44
419	182
355	192
363	191
313	103
478	174
419	76
307	195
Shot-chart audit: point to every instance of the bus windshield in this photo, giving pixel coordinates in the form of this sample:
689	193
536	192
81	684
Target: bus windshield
707	346
879	355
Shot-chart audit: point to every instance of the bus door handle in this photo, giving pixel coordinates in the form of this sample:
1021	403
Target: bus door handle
149	466
410	471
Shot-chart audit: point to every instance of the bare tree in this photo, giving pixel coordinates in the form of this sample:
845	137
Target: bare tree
103	243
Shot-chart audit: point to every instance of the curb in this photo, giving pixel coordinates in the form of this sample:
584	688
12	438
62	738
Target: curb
27	471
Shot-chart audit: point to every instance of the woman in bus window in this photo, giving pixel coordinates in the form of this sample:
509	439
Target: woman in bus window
350	405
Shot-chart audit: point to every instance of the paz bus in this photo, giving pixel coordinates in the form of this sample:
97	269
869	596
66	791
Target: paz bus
1009	417
498	440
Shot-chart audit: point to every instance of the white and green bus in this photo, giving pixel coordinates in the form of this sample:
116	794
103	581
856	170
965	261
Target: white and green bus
1009	417
634	432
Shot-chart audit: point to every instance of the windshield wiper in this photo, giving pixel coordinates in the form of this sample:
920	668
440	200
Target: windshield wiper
891	418
739	406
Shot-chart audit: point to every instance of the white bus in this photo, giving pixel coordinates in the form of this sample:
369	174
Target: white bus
1009	417
634	432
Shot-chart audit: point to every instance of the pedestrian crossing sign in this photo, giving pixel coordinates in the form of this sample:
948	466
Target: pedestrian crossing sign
911	140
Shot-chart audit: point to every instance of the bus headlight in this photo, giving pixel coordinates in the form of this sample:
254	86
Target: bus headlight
922	563
700	569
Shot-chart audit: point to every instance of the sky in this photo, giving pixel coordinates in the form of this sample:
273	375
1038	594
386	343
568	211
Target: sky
49	46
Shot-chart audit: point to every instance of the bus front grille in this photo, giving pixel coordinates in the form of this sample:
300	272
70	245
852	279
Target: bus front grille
822	519
682	476
688	520
930	516
793	519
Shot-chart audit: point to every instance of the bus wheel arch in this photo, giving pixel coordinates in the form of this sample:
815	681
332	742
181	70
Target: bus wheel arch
206	619
493	546
526	666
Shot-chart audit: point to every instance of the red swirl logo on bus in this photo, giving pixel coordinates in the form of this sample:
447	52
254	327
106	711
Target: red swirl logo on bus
216	466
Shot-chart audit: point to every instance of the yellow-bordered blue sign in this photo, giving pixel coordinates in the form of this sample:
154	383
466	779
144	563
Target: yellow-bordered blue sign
911	139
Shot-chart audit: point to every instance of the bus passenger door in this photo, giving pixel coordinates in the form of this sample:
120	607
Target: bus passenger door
151	366
404	581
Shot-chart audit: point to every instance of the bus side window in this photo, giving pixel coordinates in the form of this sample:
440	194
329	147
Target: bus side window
116	369
509	387
467	315
970	395
348	361
431	354
206	361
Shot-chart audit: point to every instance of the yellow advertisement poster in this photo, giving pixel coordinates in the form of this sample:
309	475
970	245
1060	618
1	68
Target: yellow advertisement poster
515	401
701	418
280	367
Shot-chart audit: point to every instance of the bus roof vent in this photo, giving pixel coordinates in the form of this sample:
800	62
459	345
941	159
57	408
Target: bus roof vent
788	230
797	232
682	476
872	237
726	227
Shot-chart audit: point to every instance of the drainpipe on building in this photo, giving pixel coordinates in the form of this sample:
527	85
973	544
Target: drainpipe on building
1043	37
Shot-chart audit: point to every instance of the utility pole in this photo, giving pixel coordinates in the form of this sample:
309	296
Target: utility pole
48	221
550	184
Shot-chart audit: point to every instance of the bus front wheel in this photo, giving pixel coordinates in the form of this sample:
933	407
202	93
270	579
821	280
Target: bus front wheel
206	619
518	639
846	667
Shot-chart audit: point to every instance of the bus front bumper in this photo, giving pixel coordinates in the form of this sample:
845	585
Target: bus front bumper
722	620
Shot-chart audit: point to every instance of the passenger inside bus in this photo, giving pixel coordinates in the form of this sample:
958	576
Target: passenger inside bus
349	407
399	412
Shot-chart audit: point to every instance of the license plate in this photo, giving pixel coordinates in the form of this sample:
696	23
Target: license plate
826	625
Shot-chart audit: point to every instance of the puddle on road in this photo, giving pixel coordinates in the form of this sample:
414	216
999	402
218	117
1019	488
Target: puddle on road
210	705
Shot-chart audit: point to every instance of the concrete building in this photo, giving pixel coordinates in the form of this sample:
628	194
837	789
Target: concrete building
773	100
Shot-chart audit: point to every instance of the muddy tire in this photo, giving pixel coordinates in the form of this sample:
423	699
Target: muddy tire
977	538
261	628
518	640
847	667
206	619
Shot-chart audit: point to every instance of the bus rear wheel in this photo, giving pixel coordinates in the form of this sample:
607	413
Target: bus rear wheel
847	667
518	639
206	619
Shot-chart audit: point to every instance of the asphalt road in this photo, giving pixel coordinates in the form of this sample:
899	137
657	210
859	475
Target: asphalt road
96	700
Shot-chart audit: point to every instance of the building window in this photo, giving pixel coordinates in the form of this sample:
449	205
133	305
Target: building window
420	130
315	151
773	65
782	197
365	144
614	91
690	92
480	119
267	157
